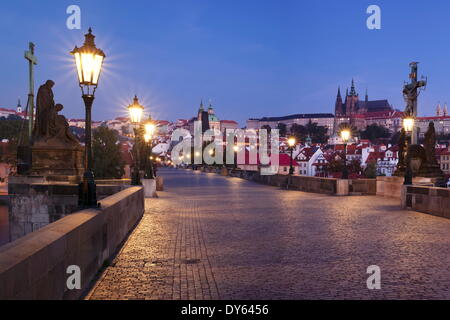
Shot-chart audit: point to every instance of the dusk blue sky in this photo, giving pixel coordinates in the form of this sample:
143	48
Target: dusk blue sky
251	58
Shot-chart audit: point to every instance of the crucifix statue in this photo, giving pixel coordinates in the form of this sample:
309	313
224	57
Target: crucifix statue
32	60
410	93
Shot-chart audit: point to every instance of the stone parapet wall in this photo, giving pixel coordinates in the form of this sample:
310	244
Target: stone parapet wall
431	200
392	186
34	205
35	266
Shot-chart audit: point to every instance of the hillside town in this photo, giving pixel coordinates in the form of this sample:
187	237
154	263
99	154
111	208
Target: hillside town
372	152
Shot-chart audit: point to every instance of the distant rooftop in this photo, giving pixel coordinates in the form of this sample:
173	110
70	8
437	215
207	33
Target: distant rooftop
297	116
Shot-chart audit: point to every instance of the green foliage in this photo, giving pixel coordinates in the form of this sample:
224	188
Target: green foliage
15	131
394	138
371	170
283	129
374	132
317	133
267	127
335	166
107	158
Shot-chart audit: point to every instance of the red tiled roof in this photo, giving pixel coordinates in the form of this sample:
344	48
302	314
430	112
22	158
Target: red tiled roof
384	114
283	160
434	118
228	121
374	156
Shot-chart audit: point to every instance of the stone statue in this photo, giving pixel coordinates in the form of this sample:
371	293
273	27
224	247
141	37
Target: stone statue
51	128
55	150
45	112
430	144
61	130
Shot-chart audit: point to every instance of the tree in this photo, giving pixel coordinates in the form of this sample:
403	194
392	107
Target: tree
335	165
354	166
283	129
317	133
15	131
371	170
394	138
267	127
375	132
107	157
299	132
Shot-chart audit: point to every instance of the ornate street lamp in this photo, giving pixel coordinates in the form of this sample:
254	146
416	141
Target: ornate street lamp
408	125
135	110
345	136
236	150
291	143
148	137
89	60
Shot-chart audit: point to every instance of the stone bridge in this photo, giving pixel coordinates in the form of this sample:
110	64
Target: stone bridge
215	237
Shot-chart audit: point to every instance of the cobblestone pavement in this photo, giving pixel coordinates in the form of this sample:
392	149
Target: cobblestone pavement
213	237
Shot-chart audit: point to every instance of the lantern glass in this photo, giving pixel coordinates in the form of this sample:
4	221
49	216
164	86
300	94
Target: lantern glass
345	135
291	142
408	124
135	111
149	128
89	61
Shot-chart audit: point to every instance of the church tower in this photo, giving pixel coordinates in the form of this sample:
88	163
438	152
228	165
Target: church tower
200	111
19	107
338	107
439	110
445	112
351	104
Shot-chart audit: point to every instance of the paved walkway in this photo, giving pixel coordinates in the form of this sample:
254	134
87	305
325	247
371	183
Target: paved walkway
212	237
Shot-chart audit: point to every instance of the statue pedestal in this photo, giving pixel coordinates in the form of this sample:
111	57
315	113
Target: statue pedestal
57	163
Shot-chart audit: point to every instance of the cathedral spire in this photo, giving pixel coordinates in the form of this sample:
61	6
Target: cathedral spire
445	112
338	110
439	110
367	96
352	89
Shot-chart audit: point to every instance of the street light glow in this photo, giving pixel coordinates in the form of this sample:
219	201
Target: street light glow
408	124
89	60
291	142
135	111
345	135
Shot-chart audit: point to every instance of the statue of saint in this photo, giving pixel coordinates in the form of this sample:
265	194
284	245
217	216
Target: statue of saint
50	127
430	144
61	129
45	111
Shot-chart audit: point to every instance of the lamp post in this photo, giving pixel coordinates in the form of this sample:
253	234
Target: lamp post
408	125
136	110
148	137
235	149
291	143
345	135
88	60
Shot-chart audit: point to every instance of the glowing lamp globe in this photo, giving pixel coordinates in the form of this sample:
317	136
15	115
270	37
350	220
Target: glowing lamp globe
291	142
408	124
135	111
345	135
89	60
